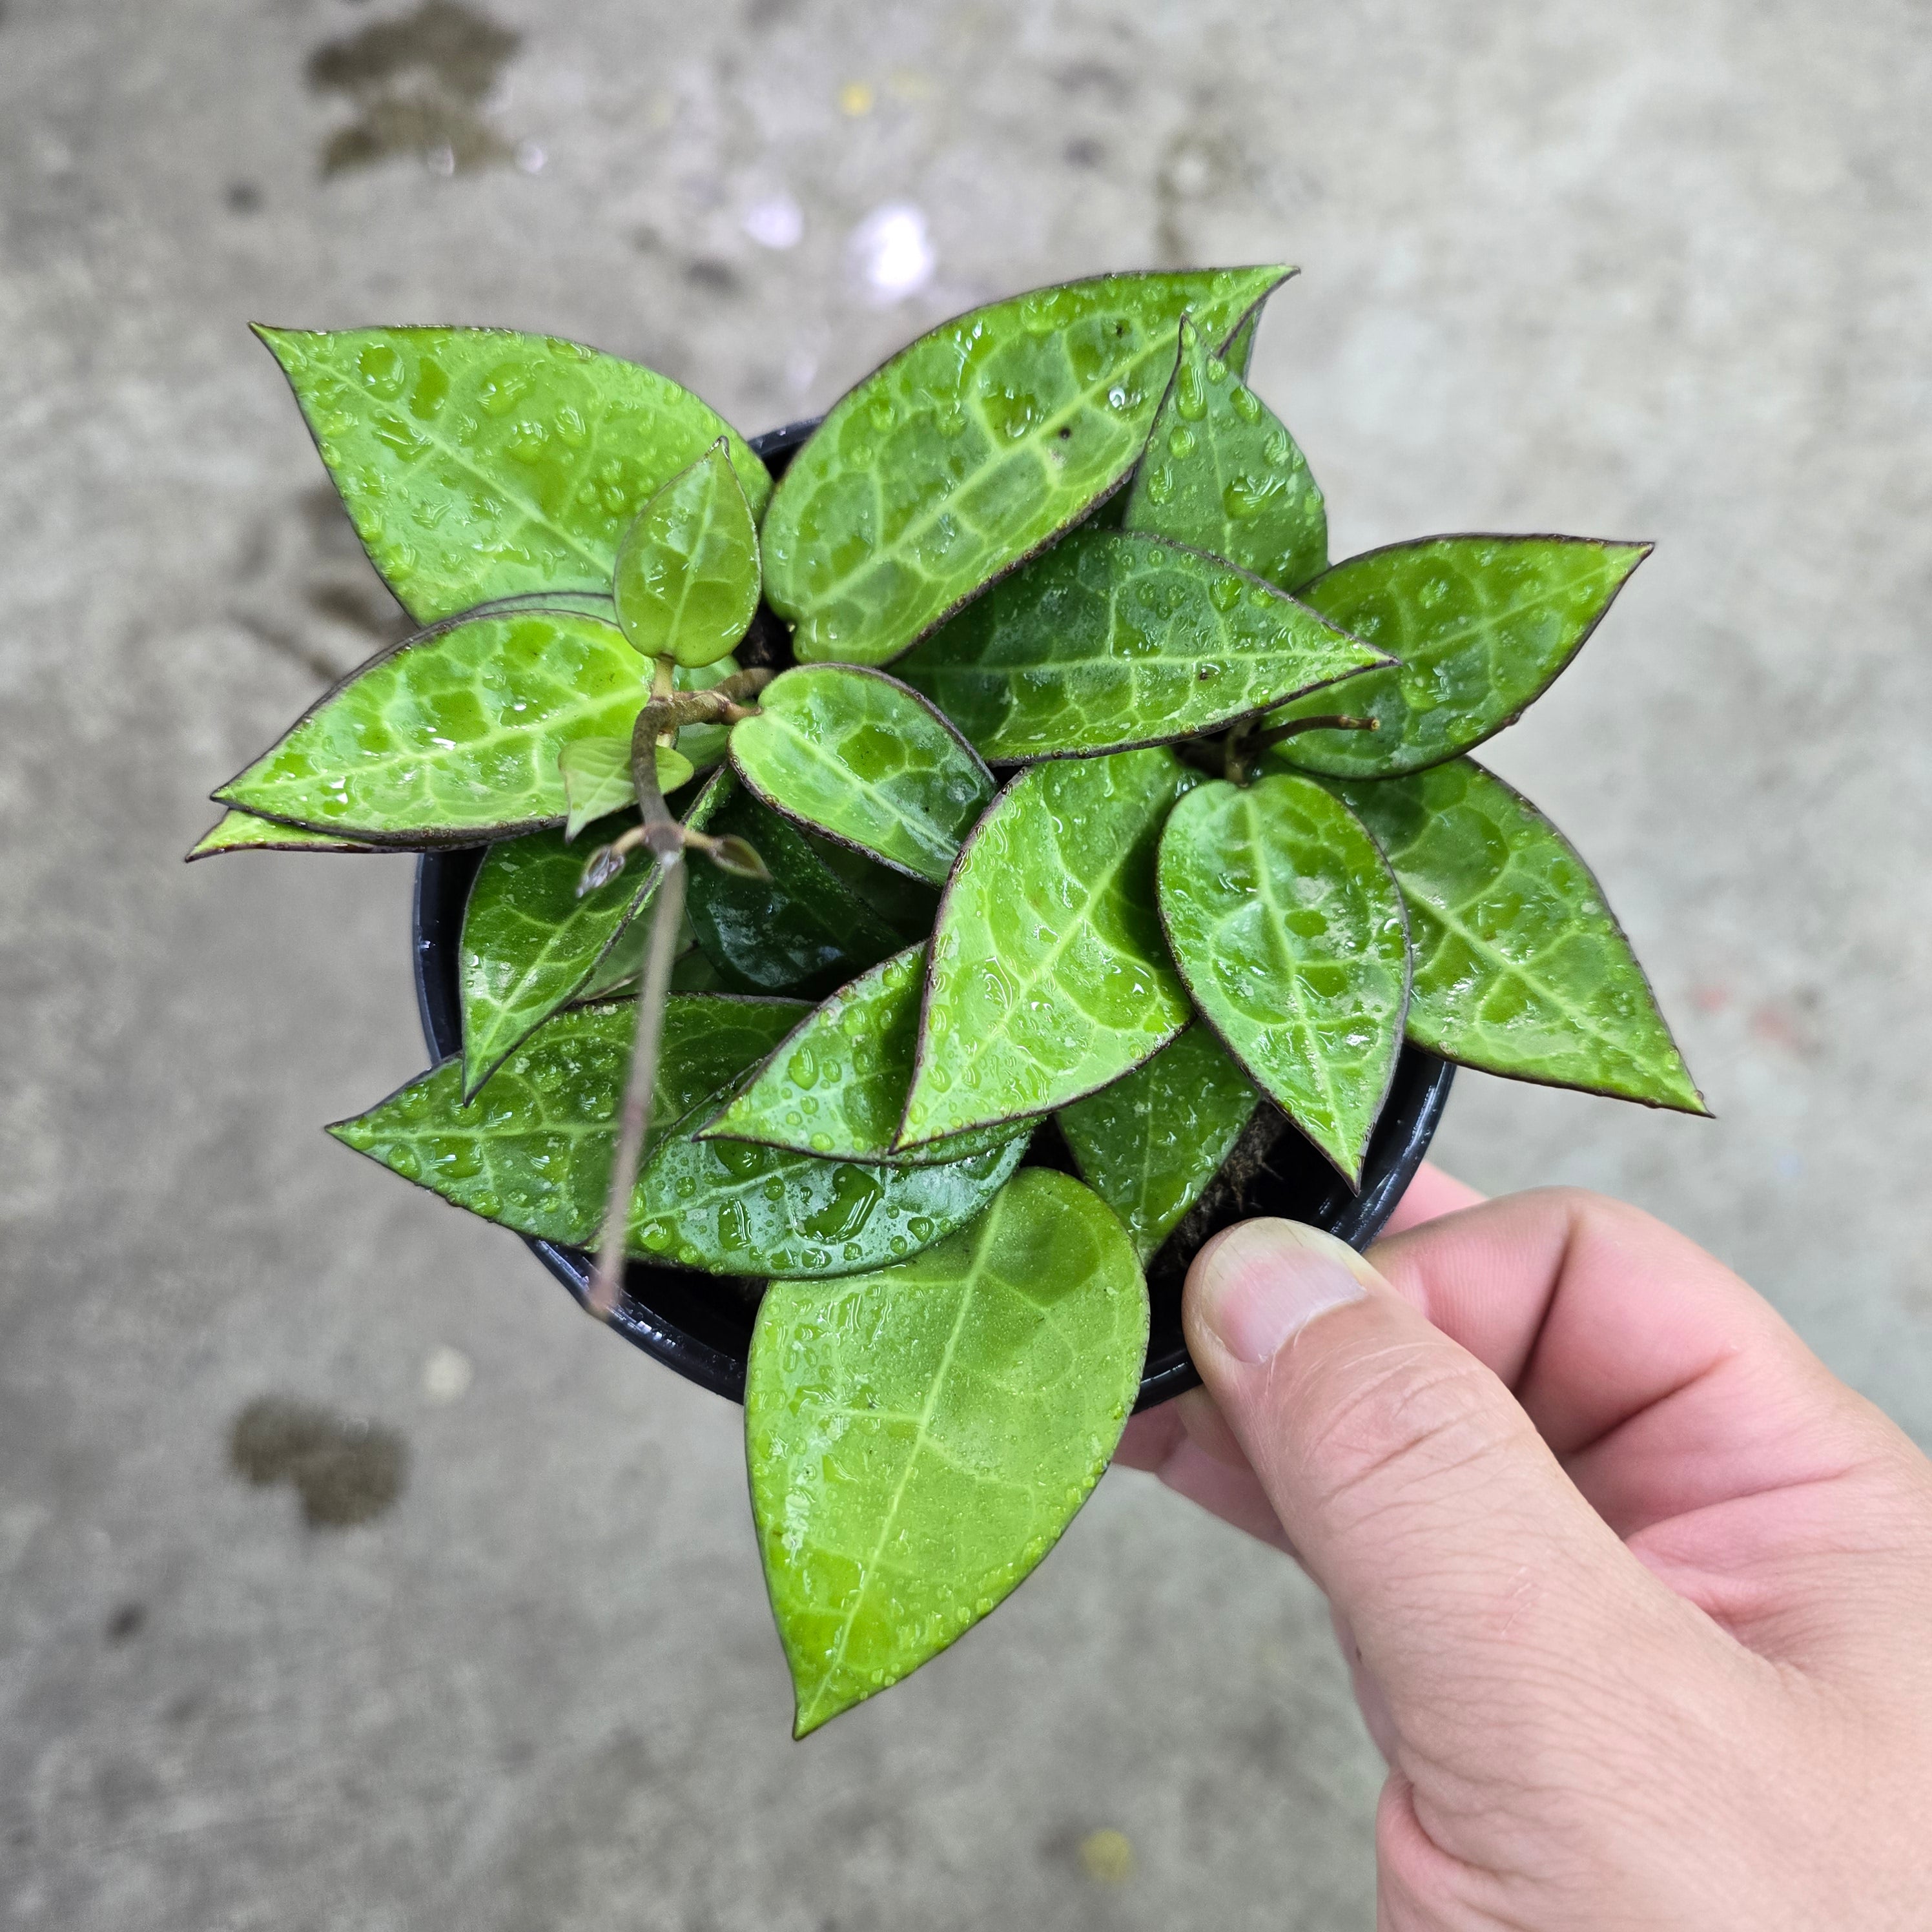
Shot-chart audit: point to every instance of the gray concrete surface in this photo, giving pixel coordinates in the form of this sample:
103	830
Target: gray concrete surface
1657	269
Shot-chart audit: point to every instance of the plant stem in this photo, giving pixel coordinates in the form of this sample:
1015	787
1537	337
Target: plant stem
667	915
1295	726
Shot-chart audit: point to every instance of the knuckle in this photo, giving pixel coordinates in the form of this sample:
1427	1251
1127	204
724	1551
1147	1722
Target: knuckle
1403	1420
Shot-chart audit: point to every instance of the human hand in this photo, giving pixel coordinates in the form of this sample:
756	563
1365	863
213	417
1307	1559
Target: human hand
1637	1596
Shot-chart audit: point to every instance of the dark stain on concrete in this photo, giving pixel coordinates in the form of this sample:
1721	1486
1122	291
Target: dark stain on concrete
716	277
418	85
346	1471
243	197
126	1622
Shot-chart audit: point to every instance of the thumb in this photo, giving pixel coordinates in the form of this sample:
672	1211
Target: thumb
1409	1480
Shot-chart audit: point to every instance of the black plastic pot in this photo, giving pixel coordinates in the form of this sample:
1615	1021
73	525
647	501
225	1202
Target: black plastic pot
702	1326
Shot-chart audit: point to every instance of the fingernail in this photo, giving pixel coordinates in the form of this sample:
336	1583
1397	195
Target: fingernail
1264	1281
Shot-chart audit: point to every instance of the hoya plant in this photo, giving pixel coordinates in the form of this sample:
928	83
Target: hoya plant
1021	758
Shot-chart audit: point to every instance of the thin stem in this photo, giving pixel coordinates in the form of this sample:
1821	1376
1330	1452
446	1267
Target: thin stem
667	915
1296	726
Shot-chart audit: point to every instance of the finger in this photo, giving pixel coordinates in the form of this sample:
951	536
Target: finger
1431	1194
1413	1486
1664	1382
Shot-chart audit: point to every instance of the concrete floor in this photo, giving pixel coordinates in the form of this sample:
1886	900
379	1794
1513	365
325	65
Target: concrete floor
1656	270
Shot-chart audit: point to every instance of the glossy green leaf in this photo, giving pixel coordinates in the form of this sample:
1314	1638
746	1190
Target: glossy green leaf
1109	641
1150	1145
1240	349
686	582
837	1087
533	1151
1481	625
1049	976
1287	925
243	832
727	1208
856	755
1520	966
454	737
972	448
479	464
530	945
596	774
616	976
918	1439
1222	473
804	930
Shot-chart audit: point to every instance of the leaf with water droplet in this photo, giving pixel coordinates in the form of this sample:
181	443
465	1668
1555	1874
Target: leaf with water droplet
533	1150
884	525
596	774
807	928
1109	641
531	945
730	1207
1240	486
479	464
1480	625
243	832
686	581
1049	978
1150	1145
856	755
1287	925
454	737
1521	968
837	1087
918	1439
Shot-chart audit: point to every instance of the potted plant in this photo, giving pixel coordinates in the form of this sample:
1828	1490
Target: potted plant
903	909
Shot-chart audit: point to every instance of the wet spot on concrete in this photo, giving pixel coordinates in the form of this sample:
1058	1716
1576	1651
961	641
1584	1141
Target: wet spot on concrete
346	1470
126	1622
243	197
718	278
418	85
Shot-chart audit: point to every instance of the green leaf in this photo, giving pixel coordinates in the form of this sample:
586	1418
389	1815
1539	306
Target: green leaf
1481	625
454	737
1221	472
1049	977
972	448
727	1208
531	946
686	582
1109	641
1240	349
837	1086
1521	968
243	832
479	464
596	774
918	1439
1287	925
1150	1145
854	754
804	930
533	1150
